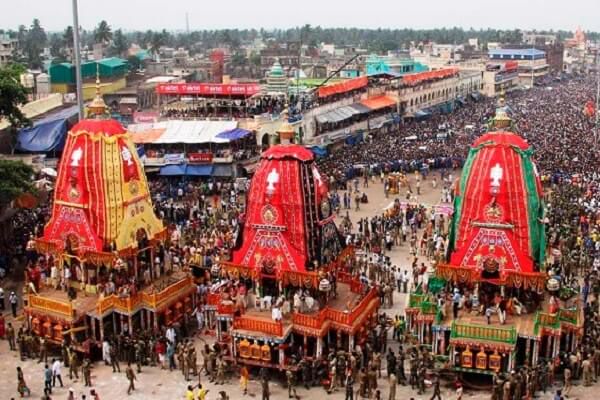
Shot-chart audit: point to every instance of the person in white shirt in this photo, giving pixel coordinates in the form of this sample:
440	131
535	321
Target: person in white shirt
171	335
56	373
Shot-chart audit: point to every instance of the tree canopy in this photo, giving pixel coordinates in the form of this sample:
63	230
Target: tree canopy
16	180
103	33
12	95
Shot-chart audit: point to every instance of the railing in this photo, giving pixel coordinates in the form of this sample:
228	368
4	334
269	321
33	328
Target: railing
257	325
310	321
56	306
553	321
151	300
545	320
355	285
482	332
429	308
569	315
415	300
225	309
340	317
213	299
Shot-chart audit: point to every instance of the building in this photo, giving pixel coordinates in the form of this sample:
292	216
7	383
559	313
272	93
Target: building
277	81
532	63
500	77
112	72
424	91
554	53
575	53
469	81
398	64
8	46
535	39
287	54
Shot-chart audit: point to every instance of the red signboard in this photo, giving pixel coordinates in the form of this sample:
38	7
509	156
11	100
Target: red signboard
200	158
209	89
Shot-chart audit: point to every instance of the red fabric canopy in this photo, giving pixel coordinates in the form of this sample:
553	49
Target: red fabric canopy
494	220
379	102
292	151
343	87
414	79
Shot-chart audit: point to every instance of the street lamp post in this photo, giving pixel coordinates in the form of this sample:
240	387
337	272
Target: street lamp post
76	49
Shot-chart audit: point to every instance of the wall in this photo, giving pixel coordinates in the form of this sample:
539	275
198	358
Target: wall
38	107
89	90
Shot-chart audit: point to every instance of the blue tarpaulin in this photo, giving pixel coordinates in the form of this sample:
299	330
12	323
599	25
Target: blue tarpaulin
354	139
173	170
234	134
198	170
222	171
47	134
45	137
319	151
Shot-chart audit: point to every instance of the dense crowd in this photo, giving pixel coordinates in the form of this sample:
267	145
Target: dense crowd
204	217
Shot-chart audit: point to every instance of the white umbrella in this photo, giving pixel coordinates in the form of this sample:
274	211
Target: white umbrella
49	171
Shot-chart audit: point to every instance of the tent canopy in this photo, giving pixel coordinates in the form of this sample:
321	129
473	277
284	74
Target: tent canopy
47	134
178	131
234	134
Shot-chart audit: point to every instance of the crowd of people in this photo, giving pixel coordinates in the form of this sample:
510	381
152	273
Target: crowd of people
205	220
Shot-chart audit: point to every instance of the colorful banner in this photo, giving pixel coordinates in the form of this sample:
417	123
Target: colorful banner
176	158
209	89
200	158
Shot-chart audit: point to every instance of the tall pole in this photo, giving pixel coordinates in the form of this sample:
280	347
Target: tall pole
76	49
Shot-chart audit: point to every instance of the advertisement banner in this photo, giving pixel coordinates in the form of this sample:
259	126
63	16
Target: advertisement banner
176	158
209	89
140	117
200	158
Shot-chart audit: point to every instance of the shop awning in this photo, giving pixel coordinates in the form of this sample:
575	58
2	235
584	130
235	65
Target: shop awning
173	170
360	108
377	103
422	114
198	170
222	171
378	122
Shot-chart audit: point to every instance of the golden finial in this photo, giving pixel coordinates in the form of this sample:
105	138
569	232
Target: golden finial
97	107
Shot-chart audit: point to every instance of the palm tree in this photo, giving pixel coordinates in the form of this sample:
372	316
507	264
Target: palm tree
155	43
103	34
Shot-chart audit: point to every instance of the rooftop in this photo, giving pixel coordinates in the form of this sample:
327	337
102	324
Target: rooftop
516	52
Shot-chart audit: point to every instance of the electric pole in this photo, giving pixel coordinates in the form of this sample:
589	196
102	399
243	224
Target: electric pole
76	49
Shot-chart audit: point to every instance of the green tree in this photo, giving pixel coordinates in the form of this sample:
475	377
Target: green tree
103	33
12	95
35	41
155	43
16	180
134	63
120	43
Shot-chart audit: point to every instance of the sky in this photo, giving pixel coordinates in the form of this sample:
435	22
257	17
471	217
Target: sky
130	15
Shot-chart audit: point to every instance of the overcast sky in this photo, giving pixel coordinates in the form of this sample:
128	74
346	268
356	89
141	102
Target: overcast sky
215	14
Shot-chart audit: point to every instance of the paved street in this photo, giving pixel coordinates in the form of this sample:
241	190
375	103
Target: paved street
153	383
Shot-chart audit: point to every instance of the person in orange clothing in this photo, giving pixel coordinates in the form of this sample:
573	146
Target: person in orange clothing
244	378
